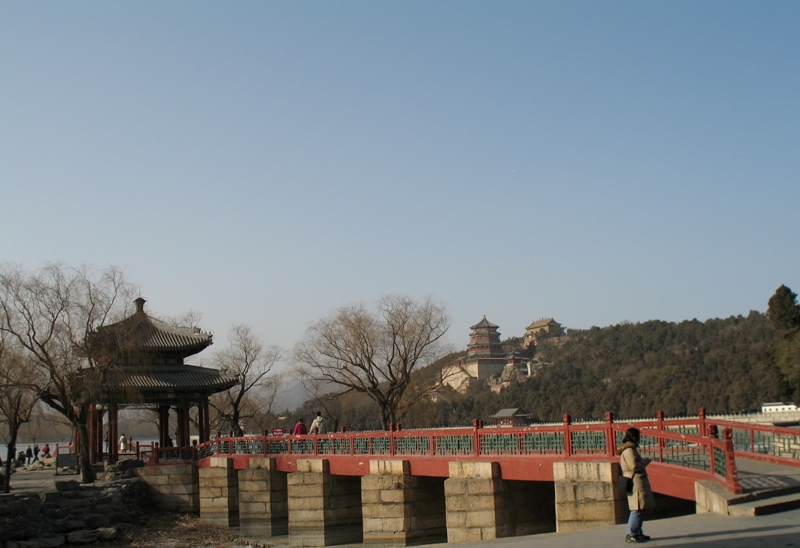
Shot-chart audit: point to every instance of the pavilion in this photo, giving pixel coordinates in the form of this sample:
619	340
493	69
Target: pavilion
139	362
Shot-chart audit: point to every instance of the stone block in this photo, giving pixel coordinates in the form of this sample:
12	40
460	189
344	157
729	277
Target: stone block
317	466
390	467
481	518
482	487
384	510
455	487
297	504
261	463
585	471
394	496
471	469
463	535
600	511
566	492
254	508
455	520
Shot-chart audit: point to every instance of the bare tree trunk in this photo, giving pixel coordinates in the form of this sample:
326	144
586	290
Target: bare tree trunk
87	470
13	431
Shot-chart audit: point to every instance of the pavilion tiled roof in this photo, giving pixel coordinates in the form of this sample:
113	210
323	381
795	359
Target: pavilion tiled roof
169	378
542	323
140	332
484	323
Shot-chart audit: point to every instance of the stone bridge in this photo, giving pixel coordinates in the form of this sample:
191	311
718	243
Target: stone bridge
405	487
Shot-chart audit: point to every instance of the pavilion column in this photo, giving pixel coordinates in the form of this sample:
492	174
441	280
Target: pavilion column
200	422
99	411
113	432
163	424
187	428
180	410
206	421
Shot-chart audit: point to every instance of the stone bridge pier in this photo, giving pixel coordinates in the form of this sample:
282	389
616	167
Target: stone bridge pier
389	506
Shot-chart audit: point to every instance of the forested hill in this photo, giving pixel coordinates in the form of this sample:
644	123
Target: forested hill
635	370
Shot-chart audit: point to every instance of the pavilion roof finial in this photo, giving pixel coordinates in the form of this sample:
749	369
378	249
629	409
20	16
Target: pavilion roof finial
139	304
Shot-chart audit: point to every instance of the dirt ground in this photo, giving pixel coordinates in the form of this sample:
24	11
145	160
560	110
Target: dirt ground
173	531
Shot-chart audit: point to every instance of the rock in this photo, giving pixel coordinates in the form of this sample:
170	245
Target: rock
83	536
95	521
49	542
107	533
69	485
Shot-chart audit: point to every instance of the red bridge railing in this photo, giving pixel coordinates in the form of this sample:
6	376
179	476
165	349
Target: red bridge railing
691	443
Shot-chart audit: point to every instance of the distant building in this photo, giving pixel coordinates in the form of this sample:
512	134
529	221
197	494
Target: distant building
539	328
511	417
777	407
485	357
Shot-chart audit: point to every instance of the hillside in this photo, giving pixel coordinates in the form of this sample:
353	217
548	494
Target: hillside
632	370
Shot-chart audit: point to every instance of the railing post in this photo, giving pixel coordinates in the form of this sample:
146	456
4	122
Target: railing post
567	436
660	439
156	453
476	442
610	437
391	438
731	472
702	421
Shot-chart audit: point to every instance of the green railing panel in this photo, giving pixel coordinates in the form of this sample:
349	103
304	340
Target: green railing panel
720	468
454	445
588	442
542	443
341	446
325	446
381	446
277	447
499	444
417	445
361	446
303	447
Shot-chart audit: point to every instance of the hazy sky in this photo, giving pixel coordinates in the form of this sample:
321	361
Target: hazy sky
267	162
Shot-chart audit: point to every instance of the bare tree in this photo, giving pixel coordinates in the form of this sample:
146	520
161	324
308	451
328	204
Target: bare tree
52	314
19	392
257	385
376	352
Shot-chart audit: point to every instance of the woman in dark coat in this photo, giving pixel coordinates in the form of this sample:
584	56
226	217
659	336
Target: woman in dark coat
640	495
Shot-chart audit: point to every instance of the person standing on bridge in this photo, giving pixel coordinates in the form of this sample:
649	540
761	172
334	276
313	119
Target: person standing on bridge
316	425
640	495
300	428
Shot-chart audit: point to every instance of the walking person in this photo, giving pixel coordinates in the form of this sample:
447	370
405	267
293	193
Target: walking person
36	452
640	495
29	455
123	443
316	425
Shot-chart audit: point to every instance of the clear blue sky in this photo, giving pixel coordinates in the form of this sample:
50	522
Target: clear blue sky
266	162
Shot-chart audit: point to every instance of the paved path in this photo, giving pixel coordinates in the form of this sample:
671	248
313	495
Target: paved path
706	530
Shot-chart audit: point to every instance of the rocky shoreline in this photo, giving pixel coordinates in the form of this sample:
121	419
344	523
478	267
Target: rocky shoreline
45	512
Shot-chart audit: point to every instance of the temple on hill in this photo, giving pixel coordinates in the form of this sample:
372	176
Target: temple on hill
485	357
140	362
544	327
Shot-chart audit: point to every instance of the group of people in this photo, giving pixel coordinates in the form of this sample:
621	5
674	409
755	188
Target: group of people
30	455
124	443
300	428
